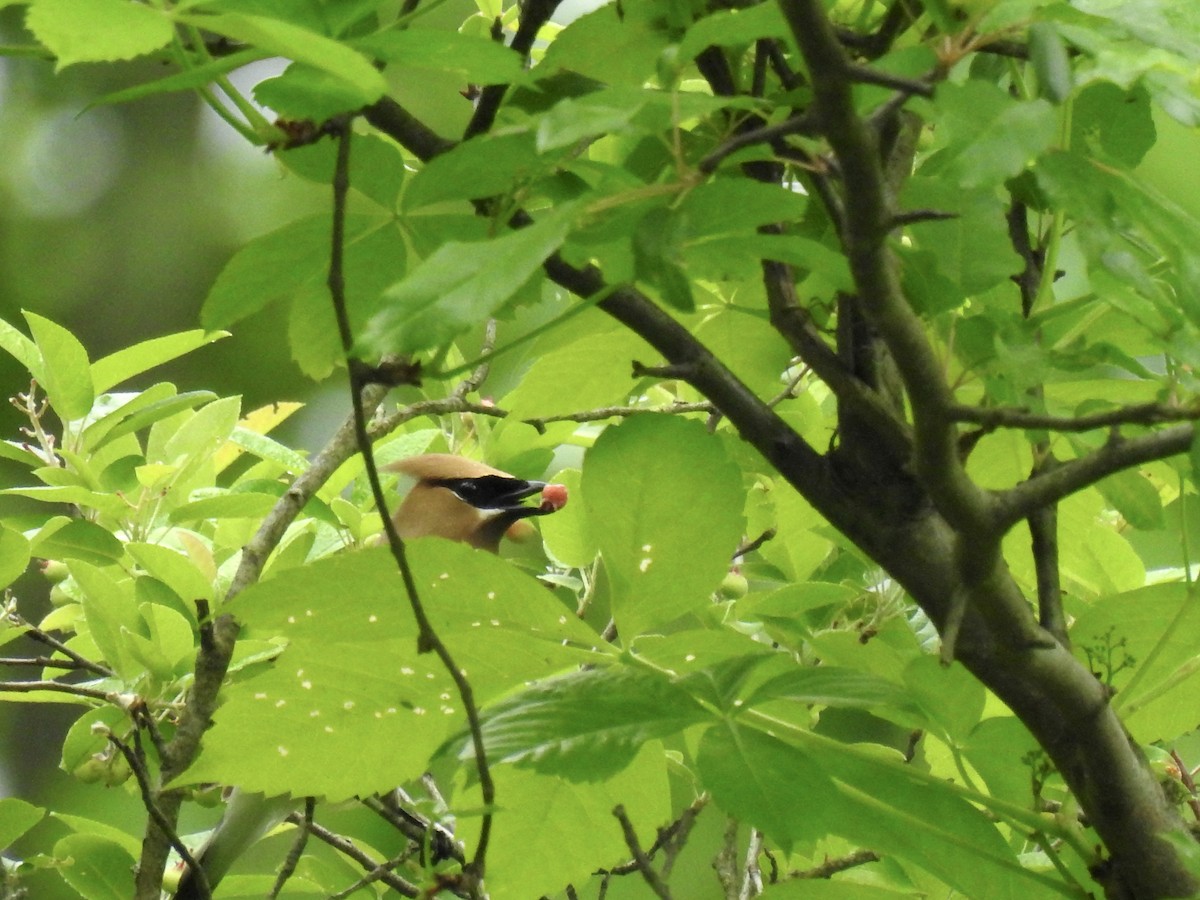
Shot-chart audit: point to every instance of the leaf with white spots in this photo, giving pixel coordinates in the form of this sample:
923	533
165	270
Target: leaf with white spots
351	685
664	504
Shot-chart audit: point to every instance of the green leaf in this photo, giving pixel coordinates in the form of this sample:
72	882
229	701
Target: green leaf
1145	634
658	256
474	60
141	357
926	823
189	79
21	348
484	166
267	268
548	830
305	93
1135	498
461	285
235	505
575	119
66	373
951	698
972	249
730	27
78	31
16	817
751	347
832	686
100	869
110	609
154	405
1048	54
607	46
203	432
351	682
585	374
585	726
79	539
764	782
566	532
990	136
266	448
1113	124
175	570
106	504
646	484
14	555
299	44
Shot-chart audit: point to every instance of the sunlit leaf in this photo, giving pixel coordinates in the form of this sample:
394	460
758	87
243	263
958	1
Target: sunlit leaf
646	484
97	30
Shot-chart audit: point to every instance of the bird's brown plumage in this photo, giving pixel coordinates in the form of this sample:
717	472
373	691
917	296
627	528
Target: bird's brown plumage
433	508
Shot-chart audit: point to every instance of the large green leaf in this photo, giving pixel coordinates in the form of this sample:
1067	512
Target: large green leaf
664	505
351	684
270	267
461	285
766	783
972	248
585	726
586	374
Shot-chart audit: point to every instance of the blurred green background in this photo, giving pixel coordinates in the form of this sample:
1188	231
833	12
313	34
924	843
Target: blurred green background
114	221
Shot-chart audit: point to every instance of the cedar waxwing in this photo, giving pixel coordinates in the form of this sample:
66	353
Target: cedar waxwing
464	500
451	497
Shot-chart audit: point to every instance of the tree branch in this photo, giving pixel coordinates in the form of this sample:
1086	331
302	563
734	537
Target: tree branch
534	14
347	848
651	877
1065	479
868	219
992	418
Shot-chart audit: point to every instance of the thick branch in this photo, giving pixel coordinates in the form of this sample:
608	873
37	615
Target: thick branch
1118	454
868	218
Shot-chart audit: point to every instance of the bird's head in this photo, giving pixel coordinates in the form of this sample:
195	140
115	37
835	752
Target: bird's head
464	500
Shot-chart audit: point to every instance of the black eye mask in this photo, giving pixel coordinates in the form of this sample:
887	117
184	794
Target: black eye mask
489	492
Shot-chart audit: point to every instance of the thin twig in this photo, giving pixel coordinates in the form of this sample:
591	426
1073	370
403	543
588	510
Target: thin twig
751	546
137	765
427	638
752	883
610	412
34	633
831	867
78	690
44	662
347	848
726	863
292	860
991	418
652	878
1185	776
798	124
